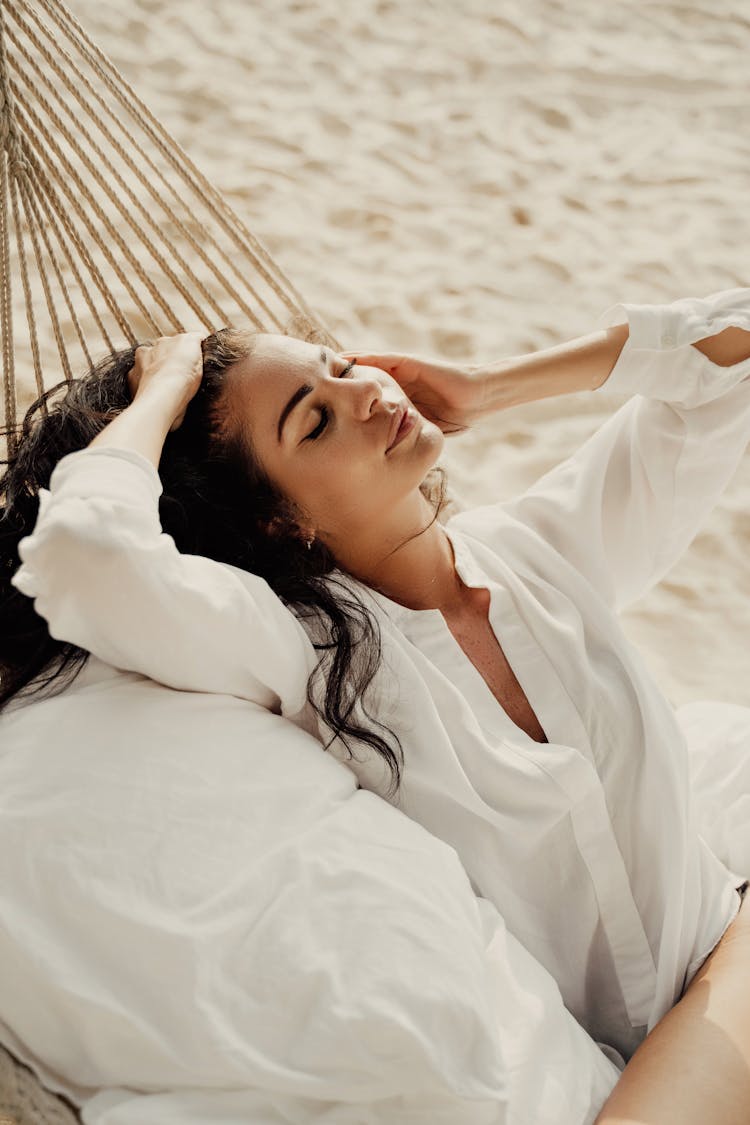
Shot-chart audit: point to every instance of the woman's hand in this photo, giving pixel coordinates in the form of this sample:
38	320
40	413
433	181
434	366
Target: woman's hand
174	365
450	397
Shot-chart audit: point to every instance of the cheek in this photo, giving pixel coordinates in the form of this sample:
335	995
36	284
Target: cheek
338	486
342	479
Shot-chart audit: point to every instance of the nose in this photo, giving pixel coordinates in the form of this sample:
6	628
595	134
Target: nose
366	396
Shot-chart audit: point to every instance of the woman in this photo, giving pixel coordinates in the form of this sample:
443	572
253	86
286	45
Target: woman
568	802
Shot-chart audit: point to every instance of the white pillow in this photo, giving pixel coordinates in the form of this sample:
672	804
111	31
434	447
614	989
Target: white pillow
226	929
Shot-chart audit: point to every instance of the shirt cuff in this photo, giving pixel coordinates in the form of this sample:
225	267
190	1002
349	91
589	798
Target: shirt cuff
666	327
107	473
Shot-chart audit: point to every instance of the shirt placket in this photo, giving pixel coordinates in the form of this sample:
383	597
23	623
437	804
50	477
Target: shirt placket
576	776
621	921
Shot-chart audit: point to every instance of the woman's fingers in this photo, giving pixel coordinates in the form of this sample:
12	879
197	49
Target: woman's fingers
408	366
181	350
385	360
178	358
448	394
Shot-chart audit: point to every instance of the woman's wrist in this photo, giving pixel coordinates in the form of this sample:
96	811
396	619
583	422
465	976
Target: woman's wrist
143	425
583	364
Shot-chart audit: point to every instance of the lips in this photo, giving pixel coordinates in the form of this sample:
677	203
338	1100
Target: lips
398	418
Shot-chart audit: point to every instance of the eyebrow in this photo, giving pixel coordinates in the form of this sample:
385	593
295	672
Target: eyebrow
299	394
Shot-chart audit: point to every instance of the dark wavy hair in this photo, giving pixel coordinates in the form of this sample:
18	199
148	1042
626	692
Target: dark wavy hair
217	501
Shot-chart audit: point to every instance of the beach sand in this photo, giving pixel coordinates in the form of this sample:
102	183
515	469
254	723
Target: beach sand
474	181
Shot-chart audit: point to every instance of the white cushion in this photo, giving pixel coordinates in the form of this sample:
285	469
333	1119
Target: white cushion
224	928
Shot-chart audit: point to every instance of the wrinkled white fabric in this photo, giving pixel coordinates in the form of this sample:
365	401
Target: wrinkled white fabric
203	919
588	846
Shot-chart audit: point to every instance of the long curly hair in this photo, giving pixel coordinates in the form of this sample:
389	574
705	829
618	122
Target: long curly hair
218	502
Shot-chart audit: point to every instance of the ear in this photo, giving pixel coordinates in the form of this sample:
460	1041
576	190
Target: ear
284	527
277	525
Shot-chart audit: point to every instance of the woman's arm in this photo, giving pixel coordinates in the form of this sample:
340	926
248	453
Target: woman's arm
584	364
624	507
106	578
694	1067
164	379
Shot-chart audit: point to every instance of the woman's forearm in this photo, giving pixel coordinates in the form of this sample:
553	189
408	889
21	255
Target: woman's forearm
143	425
582	364
694	1067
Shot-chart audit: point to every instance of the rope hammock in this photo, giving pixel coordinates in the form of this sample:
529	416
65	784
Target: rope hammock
110	226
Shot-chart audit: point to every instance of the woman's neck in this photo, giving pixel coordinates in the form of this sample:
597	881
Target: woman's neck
419	573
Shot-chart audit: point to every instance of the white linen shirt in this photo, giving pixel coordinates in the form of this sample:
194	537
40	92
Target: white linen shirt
587	845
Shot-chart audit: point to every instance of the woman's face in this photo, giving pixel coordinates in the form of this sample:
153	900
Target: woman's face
321	429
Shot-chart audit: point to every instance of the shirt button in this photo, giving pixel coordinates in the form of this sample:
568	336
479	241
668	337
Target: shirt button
667	341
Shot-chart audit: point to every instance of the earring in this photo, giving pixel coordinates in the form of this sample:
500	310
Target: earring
309	542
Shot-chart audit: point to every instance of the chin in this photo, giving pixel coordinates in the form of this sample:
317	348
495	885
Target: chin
433	435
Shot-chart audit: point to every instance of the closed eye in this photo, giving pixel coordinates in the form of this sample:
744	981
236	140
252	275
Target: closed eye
324	409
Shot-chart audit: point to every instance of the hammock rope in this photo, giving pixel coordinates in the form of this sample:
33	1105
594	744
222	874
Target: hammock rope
115	234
